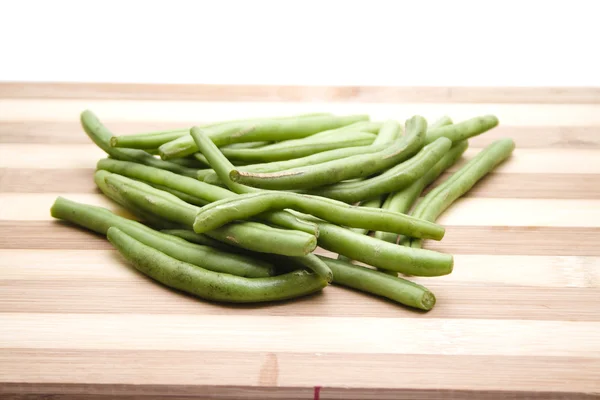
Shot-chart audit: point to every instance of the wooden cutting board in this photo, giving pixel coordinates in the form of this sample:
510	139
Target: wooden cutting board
518	318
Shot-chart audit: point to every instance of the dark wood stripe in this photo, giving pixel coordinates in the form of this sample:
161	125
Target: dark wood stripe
551	241
112	296
511	377
495	185
70	132
204	92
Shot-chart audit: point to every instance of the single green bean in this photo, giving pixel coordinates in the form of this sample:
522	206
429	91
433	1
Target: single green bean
221	212
440	198
212	285
263	130
362	126
378	283
150	140
442	121
100	135
290	149
247	235
389	132
403	201
396	178
462	130
195	192
247	145
380	254
99	219
198	238
342	169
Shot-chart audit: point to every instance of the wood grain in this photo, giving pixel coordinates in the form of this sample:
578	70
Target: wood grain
518	318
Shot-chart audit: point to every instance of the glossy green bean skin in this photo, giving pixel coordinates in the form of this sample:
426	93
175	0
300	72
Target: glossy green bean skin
463	130
396	178
100	135
381	284
402	201
380	254
145	141
248	235
183	186
290	149
255	131
338	170
219	213
99	219
440	198
208	284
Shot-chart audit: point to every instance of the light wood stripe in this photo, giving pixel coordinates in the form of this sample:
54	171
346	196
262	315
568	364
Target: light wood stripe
182	111
524	271
298	93
496	185
273	334
70	132
539	161
452	375
465	211
501	240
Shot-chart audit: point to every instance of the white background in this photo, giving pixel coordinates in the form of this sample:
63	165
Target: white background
490	43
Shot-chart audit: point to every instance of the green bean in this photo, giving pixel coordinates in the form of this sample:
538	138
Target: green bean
402	201
248	235
145	141
269	130
198	238
212	285
362	126
389	132
439	199
378	283
190	162
247	145
100	219
380	254
342	169
316	265
183	186
100	135
221	212
290	149
462	130
396	178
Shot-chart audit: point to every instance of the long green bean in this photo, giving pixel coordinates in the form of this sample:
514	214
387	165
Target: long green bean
100	135
381	284
290	149
439	199
338	170
262	130
212	285
396	178
150	140
99	219
219	213
247	235
462	130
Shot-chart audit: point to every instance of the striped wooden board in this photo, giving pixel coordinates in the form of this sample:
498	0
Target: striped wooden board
518	318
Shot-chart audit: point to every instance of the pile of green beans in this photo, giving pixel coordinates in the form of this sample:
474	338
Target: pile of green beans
233	211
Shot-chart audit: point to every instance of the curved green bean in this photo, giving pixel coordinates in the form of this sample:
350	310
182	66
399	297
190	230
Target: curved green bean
396	178
100	219
402	201
182	186
440	198
316	265
381	284
462	130
442	121
208	284
255	131
100	135
290	149
248	235
380	254
341	169
219	213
